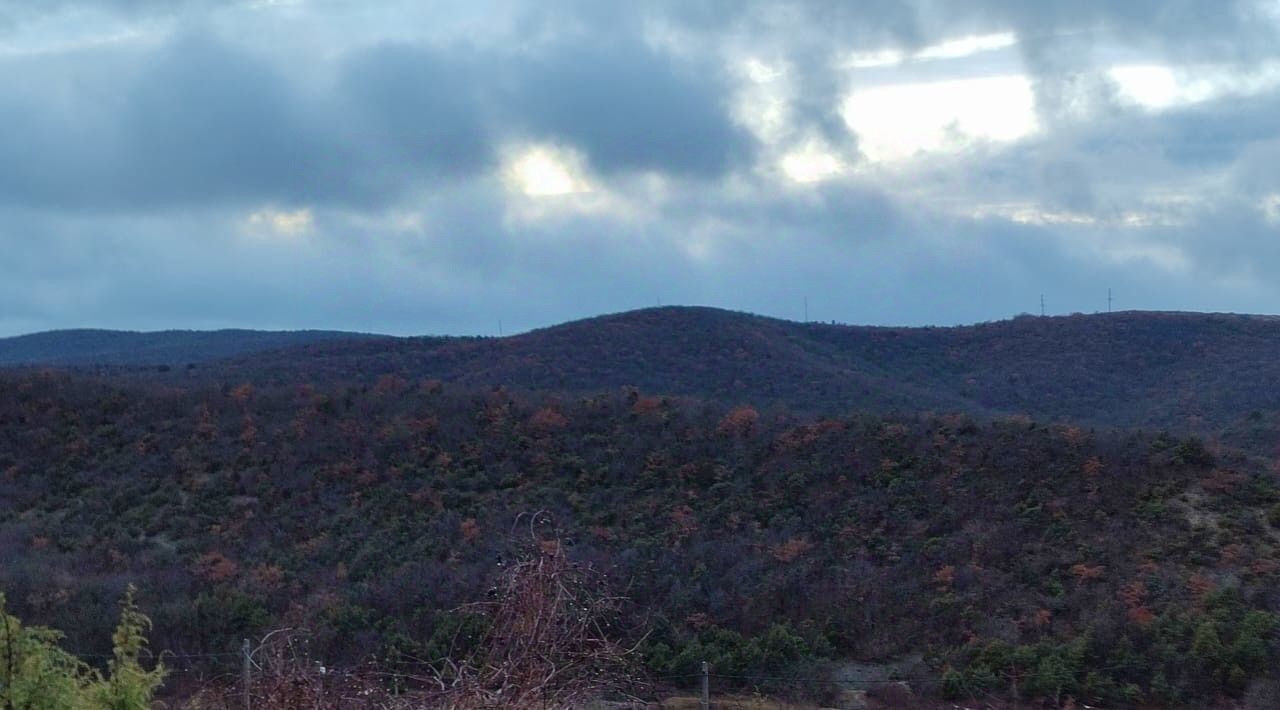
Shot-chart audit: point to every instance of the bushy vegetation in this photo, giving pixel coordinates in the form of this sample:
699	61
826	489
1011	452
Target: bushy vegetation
1218	648
1051	561
37	674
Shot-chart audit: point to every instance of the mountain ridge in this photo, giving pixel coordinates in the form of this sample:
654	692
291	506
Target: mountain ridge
1185	371
1209	373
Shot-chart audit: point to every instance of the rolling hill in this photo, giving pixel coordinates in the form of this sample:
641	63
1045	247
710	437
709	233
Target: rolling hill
1207	373
1212	374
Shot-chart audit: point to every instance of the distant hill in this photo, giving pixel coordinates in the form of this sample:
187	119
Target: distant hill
1210	373
1186	371
169	347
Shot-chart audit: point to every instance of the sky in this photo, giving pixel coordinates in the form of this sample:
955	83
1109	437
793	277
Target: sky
498	165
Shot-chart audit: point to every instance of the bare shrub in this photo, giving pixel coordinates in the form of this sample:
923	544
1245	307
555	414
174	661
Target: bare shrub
285	677
550	641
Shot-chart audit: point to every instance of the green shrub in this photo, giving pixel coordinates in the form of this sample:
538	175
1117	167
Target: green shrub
36	674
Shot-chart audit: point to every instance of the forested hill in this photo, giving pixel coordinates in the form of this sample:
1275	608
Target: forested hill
1182	371
1104	566
174	348
1207	373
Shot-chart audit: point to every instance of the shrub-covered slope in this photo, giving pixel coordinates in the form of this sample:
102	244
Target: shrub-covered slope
1103	566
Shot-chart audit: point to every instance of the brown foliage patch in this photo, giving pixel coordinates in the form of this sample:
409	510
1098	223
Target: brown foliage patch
215	567
788	551
1088	573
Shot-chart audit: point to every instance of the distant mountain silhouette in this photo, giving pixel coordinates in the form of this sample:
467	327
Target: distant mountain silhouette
168	347
1187	371
1183	371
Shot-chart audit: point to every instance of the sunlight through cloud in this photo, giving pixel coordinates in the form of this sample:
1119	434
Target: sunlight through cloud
1157	87
544	171
811	164
897	122
967	46
281	223
1271	208
957	48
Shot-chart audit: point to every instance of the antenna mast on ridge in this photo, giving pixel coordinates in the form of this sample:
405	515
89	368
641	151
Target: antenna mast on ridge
1108	300
1042	305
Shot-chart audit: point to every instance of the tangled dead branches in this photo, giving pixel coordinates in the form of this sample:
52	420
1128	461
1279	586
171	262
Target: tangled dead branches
550	641
286	677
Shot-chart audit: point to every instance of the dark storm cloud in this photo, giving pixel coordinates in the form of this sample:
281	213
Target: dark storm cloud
1185	28
411	105
629	108
196	122
1244	241
1222	132
202	120
836	214
206	122
1138	145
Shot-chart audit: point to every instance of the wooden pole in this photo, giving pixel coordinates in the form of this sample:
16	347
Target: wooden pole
706	687
244	674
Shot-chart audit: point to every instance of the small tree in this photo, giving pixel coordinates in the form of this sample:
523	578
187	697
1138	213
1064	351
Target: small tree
36	674
129	686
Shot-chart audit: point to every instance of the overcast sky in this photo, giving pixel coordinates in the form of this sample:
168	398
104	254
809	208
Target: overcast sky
422	167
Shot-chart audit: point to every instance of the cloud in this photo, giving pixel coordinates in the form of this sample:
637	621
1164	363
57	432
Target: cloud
629	108
202	120
424	168
196	122
416	106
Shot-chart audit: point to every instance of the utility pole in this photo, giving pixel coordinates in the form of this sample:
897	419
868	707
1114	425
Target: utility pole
705	704
1042	305
1108	300
244	674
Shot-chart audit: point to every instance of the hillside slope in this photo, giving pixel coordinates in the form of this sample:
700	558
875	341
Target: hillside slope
1098	565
